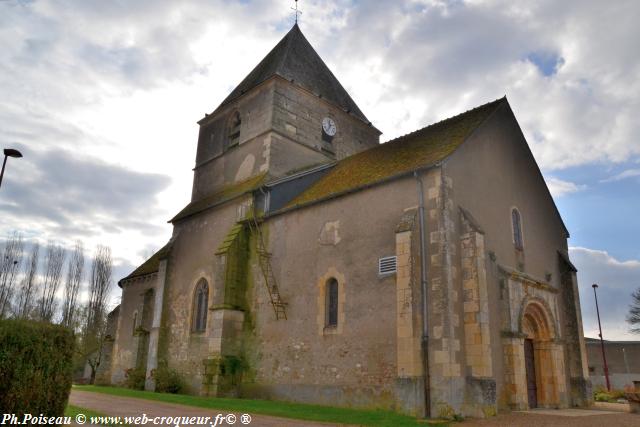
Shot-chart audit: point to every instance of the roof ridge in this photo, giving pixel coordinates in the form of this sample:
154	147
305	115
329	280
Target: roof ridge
444	121
417	150
149	265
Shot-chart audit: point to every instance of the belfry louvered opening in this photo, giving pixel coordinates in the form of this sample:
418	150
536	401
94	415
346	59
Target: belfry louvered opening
387	265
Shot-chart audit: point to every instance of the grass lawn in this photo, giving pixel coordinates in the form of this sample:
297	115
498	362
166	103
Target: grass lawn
72	411
279	409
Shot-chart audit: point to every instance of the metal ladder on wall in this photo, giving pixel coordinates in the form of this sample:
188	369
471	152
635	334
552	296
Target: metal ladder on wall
264	259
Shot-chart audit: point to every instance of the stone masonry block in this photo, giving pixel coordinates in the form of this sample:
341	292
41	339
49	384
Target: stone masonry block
471	306
440	357
437	332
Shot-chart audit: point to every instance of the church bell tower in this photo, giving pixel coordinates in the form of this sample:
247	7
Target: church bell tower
289	114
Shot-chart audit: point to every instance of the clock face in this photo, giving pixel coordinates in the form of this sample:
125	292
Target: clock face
329	126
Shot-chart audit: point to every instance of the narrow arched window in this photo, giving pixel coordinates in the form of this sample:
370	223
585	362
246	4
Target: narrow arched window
332	302
233	130
516	223
200	306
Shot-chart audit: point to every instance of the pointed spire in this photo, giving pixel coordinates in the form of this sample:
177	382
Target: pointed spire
295	60
297	12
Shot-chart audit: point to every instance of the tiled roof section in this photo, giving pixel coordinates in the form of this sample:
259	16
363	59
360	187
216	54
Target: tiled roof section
416	150
294	59
149	266
225	194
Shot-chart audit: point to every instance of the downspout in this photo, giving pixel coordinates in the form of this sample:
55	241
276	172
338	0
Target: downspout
423	284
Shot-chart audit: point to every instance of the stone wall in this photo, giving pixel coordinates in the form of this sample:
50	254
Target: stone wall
498	153
298	114
410	385
445	357
357	362
193	257
103	372
280	132
128	339
623	362
255	109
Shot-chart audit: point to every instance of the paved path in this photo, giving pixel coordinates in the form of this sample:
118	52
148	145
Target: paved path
129	406
559	417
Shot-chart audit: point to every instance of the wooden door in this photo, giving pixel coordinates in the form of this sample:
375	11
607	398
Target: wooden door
530	366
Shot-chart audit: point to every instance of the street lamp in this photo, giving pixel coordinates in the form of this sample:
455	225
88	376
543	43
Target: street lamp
8	152
604	359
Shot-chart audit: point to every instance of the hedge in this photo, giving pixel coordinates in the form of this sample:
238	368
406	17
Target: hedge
36	365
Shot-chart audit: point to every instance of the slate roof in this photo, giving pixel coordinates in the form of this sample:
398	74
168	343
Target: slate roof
149	266
225	194
294	59
416	150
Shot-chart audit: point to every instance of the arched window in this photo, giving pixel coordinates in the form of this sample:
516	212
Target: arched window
332	303
200	306
233	130
516	223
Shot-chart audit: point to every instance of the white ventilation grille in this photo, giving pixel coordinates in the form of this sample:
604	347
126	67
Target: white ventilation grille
387	265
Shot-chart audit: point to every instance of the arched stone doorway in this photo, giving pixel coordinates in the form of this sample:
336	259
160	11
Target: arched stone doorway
543	357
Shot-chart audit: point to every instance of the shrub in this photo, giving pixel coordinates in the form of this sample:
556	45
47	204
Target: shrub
167	380
602	395
135	378
36	365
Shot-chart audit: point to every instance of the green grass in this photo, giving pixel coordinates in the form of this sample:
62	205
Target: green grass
297	411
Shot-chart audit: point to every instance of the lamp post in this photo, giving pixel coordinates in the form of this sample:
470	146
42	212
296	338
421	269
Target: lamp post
604	358
8	152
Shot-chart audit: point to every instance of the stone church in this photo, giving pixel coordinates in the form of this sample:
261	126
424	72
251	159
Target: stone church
429	274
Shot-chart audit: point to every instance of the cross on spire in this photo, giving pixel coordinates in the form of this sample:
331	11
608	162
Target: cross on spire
297	12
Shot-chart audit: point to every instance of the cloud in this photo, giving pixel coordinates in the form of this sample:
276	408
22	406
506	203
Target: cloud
616	280
76	196
629	173
564	68
105	94
559	188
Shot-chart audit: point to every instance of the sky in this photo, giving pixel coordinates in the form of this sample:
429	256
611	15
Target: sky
102	98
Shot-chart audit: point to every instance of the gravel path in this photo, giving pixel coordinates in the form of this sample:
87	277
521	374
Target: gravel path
559	417
129	406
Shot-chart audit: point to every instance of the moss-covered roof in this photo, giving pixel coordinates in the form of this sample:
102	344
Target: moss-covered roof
149	266
419	149
225	194
229	239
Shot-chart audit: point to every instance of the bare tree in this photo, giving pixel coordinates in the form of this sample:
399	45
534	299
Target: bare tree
9	267
75	269
634	312
24	301
54	261
94	324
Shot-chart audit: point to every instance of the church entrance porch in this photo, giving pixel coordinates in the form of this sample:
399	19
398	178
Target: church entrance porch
534	361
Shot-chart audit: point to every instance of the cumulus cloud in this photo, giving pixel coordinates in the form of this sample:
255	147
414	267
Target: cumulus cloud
105	94
559	188
616	280
78	194
629	173
565	68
